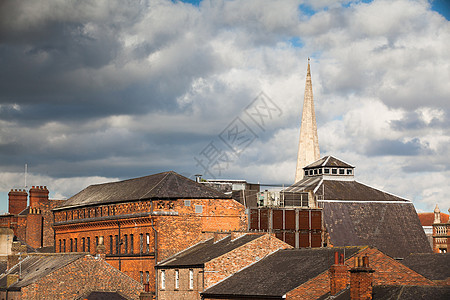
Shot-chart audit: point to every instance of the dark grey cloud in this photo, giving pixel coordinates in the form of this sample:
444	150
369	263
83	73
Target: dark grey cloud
396	148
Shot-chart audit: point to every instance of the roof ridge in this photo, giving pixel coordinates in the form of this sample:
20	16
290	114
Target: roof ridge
156	185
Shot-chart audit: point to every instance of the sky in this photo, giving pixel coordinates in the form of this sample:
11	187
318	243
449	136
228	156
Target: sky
99	91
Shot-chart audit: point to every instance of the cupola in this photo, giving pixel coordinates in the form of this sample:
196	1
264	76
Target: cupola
329	166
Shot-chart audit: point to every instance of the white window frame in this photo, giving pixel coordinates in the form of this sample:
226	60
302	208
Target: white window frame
163	279
177	279
191	279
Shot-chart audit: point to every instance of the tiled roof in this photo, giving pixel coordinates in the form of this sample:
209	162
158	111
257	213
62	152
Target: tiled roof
206	251
434	266
427	219
401	292
167	185
351	190
393	228
103	296
328	161
37	266
279	273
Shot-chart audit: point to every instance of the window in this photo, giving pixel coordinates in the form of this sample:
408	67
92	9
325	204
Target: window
147	276
191	279
341	171
117	244
315	171
141	243
64	248
88	242
142	276
71	245
163	279
75	246
326	171
187	202
333	171
131	243
177	279
306	173
125	238
349	172
83	245
147	248
111	245
96	241
60	246
198	209
320	171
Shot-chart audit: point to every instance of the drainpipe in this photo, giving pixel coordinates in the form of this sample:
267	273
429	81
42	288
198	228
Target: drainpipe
155	238
118	249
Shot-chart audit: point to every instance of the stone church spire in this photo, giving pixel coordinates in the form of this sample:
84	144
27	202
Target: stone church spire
308	146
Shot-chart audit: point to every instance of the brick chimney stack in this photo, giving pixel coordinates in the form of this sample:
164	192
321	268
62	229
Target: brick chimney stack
338	274
361	279
17	201
38	194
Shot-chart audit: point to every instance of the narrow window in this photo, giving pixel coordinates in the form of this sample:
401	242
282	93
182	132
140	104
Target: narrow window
177	279
125	239
64	245
75	246
315	171
141	243
320	171
71	245
131	243
191	279
147	248
117	244
83	244
163	279
96	241
88	242
142	276
111	245
147	276
60	246
306	172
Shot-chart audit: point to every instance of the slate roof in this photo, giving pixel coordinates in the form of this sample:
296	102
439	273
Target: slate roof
103	296
328	161
206	251
427	219
37	266
350	190
357	214
167	185
279	273
393	228
401	292
434	266
3	266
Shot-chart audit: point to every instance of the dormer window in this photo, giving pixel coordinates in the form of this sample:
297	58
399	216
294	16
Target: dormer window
326	171
341	171
349	171
320	171
333	171
306	173
315	172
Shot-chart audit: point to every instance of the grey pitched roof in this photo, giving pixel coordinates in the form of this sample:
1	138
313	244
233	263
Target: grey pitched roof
434	266
393	228
328	161
279	273
206	251
351	190
37	266
401	292
167	185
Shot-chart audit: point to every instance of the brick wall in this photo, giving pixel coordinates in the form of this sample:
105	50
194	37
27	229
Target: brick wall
34	228
387	272
226	265
80	277
169	292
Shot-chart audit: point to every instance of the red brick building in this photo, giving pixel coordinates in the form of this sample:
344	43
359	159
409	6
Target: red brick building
188	273
65	276
144	220
31	223
313	273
